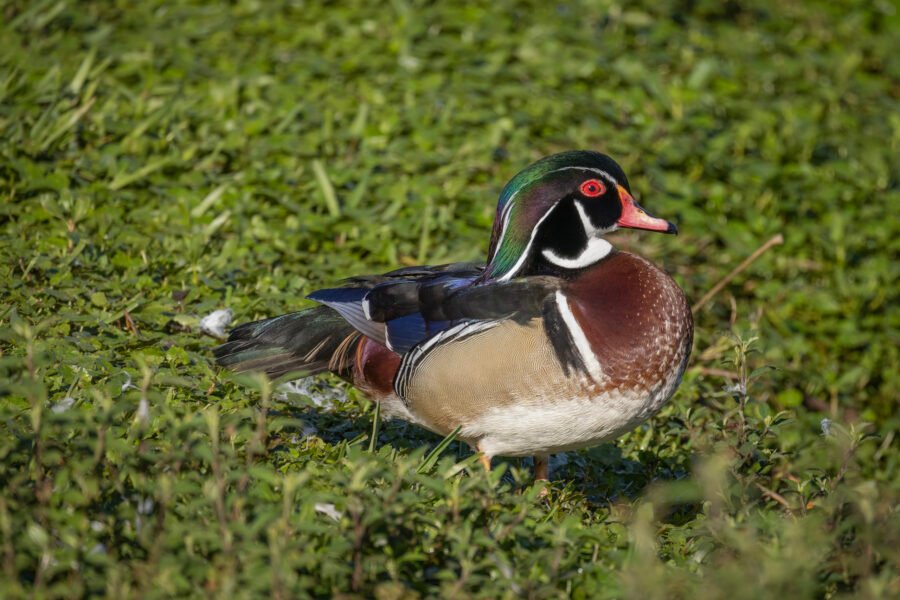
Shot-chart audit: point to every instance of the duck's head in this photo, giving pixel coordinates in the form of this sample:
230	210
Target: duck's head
553	215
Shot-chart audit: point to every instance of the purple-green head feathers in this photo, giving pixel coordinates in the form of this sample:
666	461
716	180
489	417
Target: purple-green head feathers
531	196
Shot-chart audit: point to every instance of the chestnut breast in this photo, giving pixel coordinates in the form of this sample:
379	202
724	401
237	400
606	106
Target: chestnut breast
635	318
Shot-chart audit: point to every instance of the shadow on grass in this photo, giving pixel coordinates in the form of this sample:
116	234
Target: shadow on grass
602	475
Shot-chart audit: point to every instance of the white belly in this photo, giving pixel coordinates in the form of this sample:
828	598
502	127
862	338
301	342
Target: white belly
547	426
541	425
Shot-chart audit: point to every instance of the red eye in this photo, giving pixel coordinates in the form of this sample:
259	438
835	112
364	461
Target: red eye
592	188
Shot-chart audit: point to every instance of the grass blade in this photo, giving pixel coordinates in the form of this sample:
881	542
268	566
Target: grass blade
433	456
327	189
125	179
376	424
207	202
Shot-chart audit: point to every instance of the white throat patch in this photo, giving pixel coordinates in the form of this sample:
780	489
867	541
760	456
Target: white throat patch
596	247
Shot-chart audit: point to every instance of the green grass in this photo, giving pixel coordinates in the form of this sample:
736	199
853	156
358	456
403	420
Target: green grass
159	160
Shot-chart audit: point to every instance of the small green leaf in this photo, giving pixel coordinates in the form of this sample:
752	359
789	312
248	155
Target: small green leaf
98	299
790	397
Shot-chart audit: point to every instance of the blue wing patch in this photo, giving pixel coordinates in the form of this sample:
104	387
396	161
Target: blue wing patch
405	332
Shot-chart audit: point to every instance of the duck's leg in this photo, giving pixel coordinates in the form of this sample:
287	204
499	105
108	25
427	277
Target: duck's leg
541	467
485	462
484	459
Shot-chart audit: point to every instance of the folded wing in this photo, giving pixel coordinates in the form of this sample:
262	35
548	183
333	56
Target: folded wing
406	307
402	310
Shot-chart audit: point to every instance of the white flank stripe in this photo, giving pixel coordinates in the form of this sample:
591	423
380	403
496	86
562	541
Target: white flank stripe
581	342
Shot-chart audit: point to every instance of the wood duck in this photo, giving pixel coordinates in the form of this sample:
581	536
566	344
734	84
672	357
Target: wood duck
558	342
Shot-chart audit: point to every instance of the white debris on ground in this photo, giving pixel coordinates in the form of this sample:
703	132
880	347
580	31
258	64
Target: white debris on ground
128	385
144	507
63	405
214	323
328	509
324	397
307	431
142	415
737	390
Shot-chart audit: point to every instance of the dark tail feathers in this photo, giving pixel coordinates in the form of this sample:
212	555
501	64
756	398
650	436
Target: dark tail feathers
306	342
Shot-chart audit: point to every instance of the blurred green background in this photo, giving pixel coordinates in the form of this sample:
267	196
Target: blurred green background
159	160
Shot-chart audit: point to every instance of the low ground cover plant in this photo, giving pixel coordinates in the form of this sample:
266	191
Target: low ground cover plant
162	160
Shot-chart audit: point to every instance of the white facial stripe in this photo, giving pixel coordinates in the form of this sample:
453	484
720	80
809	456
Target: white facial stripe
504	218
586	222
588	358
509	204
591	169
511	273
589	228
